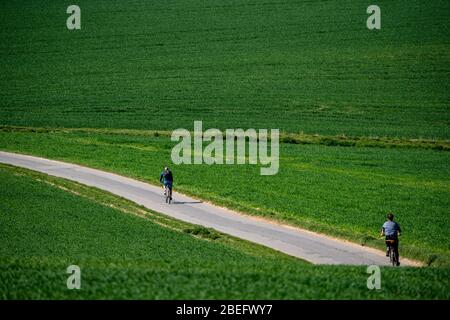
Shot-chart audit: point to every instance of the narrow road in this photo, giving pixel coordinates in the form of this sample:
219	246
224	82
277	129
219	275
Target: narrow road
315	248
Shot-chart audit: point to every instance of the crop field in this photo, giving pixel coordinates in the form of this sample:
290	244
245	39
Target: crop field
343	191
301	66
364	121
56	228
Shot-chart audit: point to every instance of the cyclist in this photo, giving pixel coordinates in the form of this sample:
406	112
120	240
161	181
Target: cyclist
166	178
391	230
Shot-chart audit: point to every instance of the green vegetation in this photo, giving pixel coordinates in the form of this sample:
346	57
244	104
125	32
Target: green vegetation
293	138
126	251
364	117
340	191
309	66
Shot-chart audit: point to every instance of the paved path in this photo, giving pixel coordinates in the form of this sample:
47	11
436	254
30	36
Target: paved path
300	243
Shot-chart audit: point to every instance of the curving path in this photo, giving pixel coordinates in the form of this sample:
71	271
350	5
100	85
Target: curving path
313	247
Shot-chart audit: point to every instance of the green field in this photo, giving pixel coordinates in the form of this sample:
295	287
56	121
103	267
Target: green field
128	252
309	66
364	117
343	191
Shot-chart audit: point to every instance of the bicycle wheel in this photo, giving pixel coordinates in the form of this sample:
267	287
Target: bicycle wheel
169	195
392	256
396	258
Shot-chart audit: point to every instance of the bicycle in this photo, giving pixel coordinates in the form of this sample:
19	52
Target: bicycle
168	194
391	251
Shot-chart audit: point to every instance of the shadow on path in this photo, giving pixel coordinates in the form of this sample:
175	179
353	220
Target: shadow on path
186	202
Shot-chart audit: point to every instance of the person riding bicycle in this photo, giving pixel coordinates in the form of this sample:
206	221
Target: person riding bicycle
166	178
391	230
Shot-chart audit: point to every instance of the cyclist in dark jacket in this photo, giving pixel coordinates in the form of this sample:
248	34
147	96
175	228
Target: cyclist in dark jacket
166	178
391	230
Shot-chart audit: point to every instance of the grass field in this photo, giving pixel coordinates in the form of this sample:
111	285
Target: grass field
127	252
343	191
309	66
364	117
